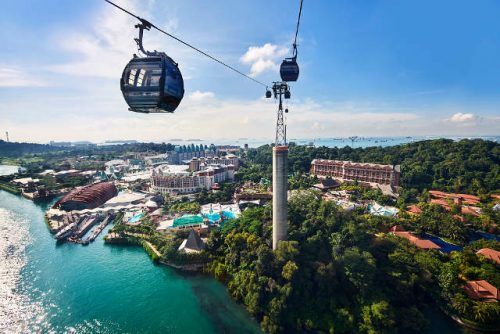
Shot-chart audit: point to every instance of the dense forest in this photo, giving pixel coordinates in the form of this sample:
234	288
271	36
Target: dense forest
338	274
341	271
470	166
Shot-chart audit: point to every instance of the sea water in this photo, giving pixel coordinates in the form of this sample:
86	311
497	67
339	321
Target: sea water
50	288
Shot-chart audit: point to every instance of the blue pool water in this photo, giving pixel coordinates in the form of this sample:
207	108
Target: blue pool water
445	246
229	215
216	217
483	235
213	217
136	218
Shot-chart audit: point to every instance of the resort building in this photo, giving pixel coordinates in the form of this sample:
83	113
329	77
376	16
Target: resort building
456	198
87	197
185	179
466	202
490	254
227	160
413	210
481	290
420	243
354	171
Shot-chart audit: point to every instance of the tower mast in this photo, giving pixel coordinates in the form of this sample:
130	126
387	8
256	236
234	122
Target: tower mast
280	169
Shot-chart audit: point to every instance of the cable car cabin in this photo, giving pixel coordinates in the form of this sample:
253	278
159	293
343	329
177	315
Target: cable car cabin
152	84
289	69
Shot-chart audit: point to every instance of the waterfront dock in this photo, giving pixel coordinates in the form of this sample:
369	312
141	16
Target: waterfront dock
95	233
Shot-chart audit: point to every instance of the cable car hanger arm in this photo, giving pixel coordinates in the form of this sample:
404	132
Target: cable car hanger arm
146	23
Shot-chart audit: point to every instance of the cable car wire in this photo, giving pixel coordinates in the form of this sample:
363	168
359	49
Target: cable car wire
297	30
147	23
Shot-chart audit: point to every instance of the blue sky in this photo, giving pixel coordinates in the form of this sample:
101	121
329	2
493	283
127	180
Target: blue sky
368	68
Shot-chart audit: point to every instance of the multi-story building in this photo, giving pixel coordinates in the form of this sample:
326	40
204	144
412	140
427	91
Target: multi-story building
354	171
185	153
227	160
189	179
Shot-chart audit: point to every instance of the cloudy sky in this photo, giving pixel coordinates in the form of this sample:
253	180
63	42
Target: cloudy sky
368	68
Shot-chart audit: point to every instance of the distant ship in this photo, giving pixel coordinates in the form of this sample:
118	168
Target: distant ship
195	139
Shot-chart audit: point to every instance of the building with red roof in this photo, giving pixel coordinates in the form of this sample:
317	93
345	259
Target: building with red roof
470	210
413	210
457	198
442	202
420	243
357	171
481	290
490	254
87	197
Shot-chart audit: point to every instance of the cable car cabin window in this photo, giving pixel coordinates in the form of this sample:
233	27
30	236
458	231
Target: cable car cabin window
155	78
140	77
131	77
143	77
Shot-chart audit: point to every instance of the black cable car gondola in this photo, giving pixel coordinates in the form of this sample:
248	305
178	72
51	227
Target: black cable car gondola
151	84
289	69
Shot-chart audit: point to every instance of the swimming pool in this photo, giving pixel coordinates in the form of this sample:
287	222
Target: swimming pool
229	215
217	217
213	217
136	218
188	220
444	246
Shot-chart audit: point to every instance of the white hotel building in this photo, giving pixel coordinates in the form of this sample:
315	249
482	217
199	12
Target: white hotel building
185	179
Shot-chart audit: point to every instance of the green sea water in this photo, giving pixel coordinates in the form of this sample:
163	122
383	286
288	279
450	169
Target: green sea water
49	288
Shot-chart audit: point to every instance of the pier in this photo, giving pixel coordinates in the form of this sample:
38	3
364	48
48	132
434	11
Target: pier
82	229
95	233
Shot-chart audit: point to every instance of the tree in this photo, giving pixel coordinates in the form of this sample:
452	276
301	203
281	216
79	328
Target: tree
289	270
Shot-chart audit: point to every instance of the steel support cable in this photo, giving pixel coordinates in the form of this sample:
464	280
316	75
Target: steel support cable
297	30
147	23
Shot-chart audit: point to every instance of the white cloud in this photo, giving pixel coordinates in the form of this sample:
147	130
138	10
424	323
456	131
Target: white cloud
200	96
104	50
463	117
10	77
213	118
263	58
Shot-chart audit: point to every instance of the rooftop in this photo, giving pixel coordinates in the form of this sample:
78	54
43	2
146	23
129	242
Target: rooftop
490	254
471	199
414	209
481	290
25	180
420	243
